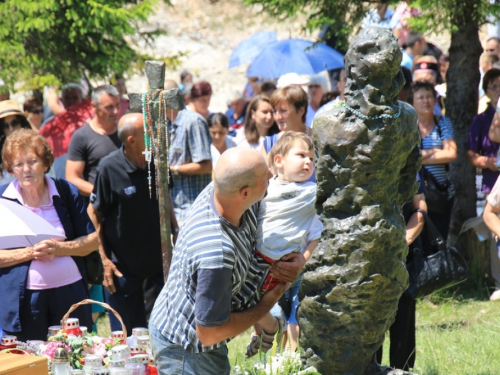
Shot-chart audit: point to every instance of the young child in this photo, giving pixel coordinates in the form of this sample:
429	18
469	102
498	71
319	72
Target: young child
218	125
287	222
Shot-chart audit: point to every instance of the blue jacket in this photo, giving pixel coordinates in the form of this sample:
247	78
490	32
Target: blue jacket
76	223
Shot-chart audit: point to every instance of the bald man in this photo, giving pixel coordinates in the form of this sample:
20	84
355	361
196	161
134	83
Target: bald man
212	293
128	222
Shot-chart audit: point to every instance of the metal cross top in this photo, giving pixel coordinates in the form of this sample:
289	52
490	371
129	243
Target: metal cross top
158	107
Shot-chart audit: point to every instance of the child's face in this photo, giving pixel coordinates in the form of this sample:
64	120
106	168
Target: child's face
298	163
219	134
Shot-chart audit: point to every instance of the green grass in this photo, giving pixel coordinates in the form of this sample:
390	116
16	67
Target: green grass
458	333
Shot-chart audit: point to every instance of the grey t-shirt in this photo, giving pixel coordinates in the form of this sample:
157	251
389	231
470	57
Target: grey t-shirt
88	146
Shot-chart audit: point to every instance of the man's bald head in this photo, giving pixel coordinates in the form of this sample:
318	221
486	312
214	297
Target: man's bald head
129	124
170	84
237	168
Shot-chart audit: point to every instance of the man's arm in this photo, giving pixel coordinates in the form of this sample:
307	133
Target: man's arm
483	162
416	222
109	266
239	322
74	172
494	132
203	167
491	219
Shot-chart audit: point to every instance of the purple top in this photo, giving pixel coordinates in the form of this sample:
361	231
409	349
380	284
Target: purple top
480	142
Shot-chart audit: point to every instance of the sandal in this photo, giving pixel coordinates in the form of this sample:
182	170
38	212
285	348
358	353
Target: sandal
264	341
253	346
281	331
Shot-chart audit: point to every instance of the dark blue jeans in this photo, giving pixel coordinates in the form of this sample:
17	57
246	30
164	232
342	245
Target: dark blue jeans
128	300
44	308
173	359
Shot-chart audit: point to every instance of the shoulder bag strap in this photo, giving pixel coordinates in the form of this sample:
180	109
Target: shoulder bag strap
436	121
434	235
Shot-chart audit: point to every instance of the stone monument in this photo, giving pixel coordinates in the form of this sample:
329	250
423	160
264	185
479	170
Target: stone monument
367	164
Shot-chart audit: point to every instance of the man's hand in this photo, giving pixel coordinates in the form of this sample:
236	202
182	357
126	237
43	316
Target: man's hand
272	296
289	267
491	164
110	270
239	322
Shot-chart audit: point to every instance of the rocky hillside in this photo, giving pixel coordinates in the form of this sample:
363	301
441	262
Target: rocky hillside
208	32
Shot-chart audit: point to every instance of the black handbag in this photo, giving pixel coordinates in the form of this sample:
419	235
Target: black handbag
93	262
443	268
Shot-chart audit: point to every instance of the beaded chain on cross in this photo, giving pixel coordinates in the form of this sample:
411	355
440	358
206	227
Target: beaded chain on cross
152	141
362	116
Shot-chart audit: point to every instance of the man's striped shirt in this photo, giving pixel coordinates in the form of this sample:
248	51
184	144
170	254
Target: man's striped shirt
208	241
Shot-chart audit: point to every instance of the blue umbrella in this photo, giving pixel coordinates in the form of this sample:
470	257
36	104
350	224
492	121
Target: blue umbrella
294	56
246	50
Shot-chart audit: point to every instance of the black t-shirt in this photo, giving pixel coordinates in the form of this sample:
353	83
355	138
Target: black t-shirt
88	146
130	218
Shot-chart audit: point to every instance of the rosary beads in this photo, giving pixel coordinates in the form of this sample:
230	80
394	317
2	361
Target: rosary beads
360	115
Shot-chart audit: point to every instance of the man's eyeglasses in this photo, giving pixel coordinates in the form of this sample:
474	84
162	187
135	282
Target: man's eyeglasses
494	87
36	111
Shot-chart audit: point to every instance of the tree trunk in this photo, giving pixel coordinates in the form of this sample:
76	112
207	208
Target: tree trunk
461	107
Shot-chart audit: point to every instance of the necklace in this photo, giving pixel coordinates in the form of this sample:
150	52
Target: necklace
153	136
360	115
146	100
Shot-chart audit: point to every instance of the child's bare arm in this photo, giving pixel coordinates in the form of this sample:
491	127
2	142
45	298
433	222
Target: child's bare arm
310	248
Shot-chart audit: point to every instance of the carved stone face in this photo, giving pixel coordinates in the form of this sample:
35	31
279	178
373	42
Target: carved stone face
375	55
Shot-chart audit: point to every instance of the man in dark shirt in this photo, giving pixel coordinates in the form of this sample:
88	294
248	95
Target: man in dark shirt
94	140
88	145
128	222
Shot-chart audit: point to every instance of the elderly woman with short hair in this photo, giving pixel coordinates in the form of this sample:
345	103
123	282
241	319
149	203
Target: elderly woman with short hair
438	149
39	283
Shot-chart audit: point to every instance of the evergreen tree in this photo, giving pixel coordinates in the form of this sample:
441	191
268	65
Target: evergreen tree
56	41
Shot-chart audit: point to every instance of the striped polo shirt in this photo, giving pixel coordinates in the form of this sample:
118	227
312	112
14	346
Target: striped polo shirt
208	241
434	140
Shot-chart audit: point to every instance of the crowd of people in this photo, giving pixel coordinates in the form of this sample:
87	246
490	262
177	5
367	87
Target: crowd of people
80	163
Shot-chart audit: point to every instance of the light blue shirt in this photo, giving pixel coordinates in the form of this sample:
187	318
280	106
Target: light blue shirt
191	142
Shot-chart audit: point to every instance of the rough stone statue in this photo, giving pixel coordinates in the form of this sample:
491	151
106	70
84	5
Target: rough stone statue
367	164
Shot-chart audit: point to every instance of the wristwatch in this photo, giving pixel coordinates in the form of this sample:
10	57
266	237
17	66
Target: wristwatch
176	170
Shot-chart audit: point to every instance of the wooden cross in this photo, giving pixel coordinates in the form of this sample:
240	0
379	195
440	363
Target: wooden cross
172	100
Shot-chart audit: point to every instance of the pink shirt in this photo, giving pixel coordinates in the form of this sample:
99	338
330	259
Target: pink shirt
47	273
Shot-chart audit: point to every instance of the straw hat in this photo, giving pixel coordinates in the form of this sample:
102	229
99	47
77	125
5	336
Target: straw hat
10	108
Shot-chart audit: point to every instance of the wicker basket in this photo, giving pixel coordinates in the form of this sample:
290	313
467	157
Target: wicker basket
89	302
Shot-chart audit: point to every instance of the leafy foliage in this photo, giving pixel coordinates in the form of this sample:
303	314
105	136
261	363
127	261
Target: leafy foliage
53	41
344	16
